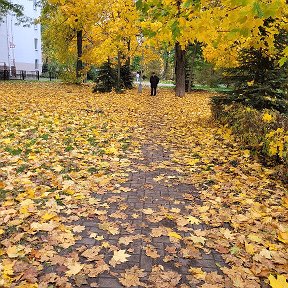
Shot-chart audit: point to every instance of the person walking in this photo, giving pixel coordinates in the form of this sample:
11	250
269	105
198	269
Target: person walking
154	80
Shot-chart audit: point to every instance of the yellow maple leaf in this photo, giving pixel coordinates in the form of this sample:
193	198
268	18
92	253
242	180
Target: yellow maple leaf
197	239
78	228
250	83
57	168
250	248
192	162
111	150
279	282
198	273
7	267
246	153
13	251
119	257
174	235
48	216
193	220
74	268
283	237
255	238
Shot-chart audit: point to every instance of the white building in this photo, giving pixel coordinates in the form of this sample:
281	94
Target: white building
20	47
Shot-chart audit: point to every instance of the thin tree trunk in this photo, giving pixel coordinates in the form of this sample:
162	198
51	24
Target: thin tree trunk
190	82
166	65
118	69
79	64
128	61
180	70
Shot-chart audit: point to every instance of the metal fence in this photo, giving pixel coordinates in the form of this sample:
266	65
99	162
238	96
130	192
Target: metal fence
19	75
6	74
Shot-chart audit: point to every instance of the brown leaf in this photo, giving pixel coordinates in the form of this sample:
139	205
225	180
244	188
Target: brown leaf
131	277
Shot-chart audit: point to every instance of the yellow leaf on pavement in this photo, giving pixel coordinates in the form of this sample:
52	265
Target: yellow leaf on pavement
279	282
193	220
13	251
174	235
119	257
250	248
283	237
74	268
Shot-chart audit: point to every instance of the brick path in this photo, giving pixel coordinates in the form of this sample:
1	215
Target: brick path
144	208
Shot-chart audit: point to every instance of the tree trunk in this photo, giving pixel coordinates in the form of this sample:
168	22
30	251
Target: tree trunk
119	70
190	82
180	70
128	60
166	65
79	64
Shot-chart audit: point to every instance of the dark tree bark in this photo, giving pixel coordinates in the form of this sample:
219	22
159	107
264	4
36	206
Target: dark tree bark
79	64
166	65
119	70
128	61
180	70
190	82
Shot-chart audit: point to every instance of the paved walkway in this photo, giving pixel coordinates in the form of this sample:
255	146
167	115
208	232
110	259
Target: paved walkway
149	219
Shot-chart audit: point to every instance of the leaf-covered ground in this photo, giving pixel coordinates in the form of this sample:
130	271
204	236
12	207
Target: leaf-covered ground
132	191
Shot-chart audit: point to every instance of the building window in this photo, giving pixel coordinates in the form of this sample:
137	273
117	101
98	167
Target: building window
35	26
36	64
36	44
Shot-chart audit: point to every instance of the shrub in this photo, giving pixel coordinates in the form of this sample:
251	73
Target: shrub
106	79
265	132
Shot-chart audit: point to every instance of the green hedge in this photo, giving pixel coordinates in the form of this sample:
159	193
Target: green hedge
263	132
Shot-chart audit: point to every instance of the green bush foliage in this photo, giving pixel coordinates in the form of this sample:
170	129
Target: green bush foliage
106	79
259	81
264	132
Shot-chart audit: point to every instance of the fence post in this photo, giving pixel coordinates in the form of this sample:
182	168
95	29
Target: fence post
50	75
6	74
38	75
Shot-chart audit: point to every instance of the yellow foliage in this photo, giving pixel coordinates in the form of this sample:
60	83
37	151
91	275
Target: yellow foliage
278	143
267	117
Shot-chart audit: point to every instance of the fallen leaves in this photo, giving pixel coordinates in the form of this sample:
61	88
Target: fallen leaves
119	257
278	282
131	277
62	175
74	268
151	252
164	279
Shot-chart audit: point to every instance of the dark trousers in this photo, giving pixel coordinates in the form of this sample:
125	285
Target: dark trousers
153	90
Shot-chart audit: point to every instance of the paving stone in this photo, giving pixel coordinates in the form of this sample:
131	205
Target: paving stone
145	262
87	241
109	283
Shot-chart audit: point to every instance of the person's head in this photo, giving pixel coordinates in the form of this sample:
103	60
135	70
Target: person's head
153	73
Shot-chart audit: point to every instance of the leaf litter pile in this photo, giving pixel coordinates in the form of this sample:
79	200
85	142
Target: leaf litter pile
109	190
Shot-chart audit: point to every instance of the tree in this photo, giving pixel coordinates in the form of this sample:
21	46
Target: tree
7	6
91	31
17	9
106	78
258	80
224	27
67	30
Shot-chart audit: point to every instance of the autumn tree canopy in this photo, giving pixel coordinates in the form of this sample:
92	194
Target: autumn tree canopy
112	29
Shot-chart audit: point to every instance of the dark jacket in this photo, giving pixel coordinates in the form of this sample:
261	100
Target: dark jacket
154	80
